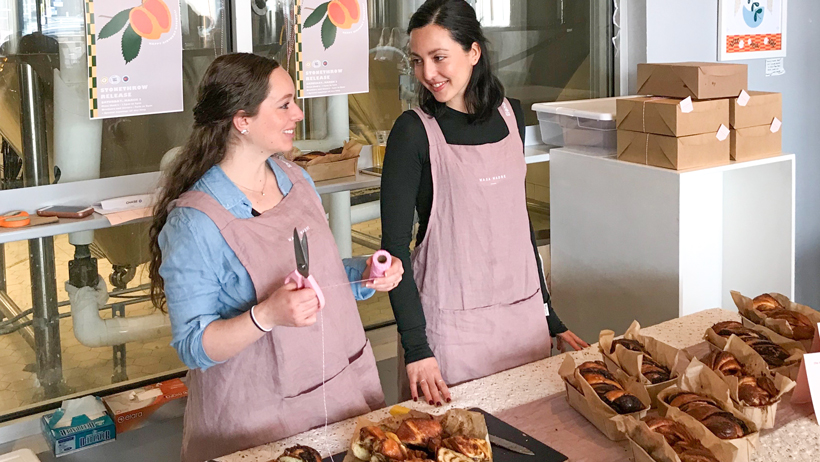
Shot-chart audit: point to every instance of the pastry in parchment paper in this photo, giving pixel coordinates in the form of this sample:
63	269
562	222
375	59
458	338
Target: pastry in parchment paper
765	303
686	446
708	412
419	432
608	389
474	448
362	446
300	454
654	371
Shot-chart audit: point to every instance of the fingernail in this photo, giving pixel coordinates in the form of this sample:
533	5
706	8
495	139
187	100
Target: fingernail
448	400
431	402
415	399
438	404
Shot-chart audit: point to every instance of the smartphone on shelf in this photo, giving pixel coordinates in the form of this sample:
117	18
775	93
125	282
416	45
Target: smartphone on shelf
375	171
65	211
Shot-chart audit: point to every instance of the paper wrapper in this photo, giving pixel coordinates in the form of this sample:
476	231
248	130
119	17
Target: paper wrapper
698	378
583	399
795	349
350	150
454	422
746	308
630	361
754	365
649	446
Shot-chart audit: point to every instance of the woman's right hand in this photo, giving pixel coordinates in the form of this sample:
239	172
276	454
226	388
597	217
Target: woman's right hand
289	307
425	374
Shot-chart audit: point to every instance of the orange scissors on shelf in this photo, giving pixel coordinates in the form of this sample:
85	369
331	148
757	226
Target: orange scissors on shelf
14	219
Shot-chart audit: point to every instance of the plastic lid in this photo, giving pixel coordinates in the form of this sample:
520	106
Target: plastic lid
21	455
596	109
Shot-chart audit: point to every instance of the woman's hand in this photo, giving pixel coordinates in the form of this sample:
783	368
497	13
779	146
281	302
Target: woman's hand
424	374
289	307
568	338
392	277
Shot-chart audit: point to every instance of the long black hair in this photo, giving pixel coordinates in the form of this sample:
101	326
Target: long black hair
484	93
233	82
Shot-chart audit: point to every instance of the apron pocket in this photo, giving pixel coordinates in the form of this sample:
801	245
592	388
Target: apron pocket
352	392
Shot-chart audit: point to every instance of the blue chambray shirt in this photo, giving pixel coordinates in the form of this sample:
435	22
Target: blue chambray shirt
204	279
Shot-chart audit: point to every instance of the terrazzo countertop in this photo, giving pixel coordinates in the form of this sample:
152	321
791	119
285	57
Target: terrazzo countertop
798	440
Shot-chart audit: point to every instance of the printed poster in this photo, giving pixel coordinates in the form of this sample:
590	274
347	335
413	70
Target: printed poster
134	57
752	29
332	48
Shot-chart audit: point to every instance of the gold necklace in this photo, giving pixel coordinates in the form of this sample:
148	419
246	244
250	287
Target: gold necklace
264	185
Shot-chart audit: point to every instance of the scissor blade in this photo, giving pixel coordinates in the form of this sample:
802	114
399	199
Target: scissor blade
301	255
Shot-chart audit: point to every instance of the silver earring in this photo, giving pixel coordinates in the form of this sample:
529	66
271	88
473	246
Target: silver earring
244	132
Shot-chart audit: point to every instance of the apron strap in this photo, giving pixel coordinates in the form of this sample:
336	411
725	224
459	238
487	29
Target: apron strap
434	134
293	171
206	204
509	117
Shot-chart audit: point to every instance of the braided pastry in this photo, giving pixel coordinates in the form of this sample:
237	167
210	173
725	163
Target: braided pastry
300	454
651	369
707	411
608	389
801	325
766	303
752	391
774	354
688	448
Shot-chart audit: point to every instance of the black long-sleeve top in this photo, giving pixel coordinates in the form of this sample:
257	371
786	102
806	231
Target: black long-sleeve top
407	186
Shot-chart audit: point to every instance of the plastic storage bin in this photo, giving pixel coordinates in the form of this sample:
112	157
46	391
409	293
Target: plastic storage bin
586	123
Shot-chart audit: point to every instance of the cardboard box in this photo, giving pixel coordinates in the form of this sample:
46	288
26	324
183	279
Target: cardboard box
696	151
755	143
696	80
81	434
331	170
664	116
761	109
133	409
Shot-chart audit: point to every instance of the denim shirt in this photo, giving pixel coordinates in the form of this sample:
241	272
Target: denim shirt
204	279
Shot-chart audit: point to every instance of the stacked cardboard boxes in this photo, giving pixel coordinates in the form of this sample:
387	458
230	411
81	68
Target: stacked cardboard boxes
695	118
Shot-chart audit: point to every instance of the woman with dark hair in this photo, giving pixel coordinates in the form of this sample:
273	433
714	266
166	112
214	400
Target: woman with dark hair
473	301
263	367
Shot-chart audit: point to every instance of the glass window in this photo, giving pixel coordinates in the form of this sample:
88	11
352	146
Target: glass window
41	359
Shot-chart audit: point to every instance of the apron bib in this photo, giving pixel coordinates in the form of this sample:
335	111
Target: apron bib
475	270
273	388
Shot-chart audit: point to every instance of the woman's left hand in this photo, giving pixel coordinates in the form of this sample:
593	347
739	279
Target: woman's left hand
392	277
568	338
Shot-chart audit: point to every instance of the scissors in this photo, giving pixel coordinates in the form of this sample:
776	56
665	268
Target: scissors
301	276
14	219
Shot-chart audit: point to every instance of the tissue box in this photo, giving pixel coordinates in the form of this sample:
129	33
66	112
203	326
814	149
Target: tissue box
82	433
134	408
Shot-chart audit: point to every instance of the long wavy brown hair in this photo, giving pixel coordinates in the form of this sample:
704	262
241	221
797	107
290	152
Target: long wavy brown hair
233	83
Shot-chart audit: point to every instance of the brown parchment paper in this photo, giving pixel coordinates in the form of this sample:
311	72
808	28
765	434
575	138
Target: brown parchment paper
350	150
746	308
795	348
656	449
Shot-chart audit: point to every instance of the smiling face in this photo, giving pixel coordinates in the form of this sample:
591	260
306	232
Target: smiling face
442	65
273	127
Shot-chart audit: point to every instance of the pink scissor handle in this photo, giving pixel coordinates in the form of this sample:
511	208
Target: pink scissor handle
309	282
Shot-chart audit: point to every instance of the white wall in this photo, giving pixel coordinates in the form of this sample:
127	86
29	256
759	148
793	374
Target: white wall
674	33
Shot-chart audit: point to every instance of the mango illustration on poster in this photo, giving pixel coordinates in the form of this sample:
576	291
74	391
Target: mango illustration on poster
135	57
332	49
752	29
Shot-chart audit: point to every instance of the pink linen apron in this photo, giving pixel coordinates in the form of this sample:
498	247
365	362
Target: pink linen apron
272	389
476	270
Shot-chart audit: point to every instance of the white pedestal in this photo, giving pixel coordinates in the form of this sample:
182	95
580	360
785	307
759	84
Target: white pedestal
630	241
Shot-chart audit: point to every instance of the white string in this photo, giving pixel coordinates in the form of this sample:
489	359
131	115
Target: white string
324	395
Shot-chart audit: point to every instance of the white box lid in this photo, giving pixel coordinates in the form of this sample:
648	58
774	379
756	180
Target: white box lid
595	109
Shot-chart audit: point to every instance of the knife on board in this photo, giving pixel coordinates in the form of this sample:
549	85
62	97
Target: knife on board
509	445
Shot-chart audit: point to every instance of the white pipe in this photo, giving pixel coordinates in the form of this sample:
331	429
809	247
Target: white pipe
365	212
93	331
338	126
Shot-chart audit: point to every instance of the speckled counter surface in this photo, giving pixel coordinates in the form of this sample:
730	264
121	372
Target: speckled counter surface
797	440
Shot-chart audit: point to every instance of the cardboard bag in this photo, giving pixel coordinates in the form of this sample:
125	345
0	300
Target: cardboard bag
795	349
746	308
582	397
631	361
650	446
755	366
698	378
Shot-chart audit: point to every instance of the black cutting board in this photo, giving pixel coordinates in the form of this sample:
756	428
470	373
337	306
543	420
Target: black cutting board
543	453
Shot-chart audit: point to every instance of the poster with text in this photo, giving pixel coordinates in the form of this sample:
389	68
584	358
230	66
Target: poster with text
332	48
752	29
134	57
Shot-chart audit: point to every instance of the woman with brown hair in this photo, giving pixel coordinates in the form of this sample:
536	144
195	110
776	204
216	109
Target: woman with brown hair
266	360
